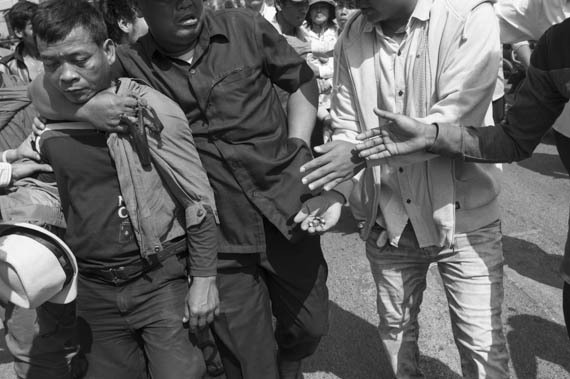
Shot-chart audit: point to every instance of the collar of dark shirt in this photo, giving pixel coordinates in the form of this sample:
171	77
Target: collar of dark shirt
210	30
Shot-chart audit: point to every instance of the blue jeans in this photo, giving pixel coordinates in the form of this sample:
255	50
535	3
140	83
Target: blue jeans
472	275
135	330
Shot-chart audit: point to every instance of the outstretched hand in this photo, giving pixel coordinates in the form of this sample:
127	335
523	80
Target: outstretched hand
320	213
400	135
337	164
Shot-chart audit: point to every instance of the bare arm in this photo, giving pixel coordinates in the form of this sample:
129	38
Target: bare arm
302	111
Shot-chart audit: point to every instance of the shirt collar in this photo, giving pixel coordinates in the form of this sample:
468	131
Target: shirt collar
210	29
19	53
421	12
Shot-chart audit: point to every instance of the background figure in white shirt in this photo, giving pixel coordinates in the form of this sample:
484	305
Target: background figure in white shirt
344	9
321	27
526	20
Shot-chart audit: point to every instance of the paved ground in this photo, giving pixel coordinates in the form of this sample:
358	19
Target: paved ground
534	202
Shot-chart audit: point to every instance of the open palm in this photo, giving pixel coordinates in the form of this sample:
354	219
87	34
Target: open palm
401	135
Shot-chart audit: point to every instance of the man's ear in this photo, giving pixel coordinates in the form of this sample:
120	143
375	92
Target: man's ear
19	33
124	25
109	49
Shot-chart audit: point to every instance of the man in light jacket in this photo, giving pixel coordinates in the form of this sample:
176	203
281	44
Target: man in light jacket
436	61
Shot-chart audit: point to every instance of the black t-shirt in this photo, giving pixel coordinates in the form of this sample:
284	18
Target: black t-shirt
99	230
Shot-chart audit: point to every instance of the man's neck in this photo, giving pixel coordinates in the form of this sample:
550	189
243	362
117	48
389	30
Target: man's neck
30	51
286	28
399	20
175	51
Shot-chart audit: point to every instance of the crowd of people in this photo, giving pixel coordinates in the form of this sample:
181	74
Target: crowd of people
167	169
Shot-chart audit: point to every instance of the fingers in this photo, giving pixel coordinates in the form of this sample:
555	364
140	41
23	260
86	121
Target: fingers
369	134
38	125
45	168
308	222
370	143
368	153
301	215
323	179
128	105
315	163
386	115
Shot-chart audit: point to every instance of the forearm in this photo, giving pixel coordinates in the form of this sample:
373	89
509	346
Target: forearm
203	247
483	144
302	111
49	102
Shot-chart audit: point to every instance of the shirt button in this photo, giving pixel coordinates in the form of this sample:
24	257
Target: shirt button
254	194
192	72
408	201
401	169
399	52
200	213
400	93
156	249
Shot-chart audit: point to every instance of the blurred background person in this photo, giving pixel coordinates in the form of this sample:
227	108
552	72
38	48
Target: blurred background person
320	27
344	9
124	23
24	62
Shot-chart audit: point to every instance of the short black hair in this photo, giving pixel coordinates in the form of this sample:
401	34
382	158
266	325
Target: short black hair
115	10
55	19
20	14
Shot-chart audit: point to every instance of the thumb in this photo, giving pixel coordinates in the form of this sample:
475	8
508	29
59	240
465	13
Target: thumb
322	149
186	317
386	115
45	168
301	215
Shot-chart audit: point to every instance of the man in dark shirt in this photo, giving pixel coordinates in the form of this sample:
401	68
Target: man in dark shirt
123	222
221	67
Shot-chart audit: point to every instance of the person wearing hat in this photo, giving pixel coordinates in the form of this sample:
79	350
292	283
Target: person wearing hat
320	27
39	272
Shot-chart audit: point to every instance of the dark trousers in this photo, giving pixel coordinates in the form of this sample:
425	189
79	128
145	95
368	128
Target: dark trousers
135	330
563	146
42	341
288	282
566	306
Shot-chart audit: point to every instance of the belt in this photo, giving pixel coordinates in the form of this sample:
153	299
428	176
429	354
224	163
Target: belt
119	275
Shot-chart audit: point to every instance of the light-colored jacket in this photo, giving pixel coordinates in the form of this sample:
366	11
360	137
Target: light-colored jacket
452	83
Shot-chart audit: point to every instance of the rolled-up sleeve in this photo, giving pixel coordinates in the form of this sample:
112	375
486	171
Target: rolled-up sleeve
179	165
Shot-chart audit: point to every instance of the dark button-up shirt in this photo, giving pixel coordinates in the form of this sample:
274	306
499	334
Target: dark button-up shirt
239	127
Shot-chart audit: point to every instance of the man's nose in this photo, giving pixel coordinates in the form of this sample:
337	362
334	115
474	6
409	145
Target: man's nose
68	73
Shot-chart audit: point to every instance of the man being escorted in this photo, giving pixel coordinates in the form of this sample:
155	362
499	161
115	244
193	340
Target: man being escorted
434	60
221	68
139	237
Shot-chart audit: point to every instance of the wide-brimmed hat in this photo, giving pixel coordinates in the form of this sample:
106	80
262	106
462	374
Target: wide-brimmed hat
331	2
35	266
